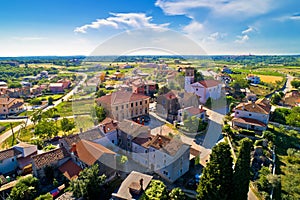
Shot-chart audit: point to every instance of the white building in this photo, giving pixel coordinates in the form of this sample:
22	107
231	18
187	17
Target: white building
252	115
206	89
253	79
191	111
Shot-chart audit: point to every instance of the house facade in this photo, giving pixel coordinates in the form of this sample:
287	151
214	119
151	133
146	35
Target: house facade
191	111
166	156
8	160
206	89
252	115
54	158
122	105
11	105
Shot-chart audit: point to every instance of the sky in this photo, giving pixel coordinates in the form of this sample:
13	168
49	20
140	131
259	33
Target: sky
218	27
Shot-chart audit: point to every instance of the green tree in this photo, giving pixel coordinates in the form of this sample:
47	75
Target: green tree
156	190
263	183
88	184
36	117
295	83
177	194
101	92
269	136
14	85
216	181
46	129
50	101
198	76
46	196
208	102
100	113
25	189
241	175
66	125
275	99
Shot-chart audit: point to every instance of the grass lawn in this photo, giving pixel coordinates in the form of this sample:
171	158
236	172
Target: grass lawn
54	96
64	109
26	113
7	125
9	142
85	122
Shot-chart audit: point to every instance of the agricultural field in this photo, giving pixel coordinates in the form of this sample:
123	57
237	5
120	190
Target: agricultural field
270	79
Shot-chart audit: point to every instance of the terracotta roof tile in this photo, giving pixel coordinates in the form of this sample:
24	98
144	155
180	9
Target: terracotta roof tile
194	111
47	158
90	152
249	121
70	170
210	83
9	153
260	106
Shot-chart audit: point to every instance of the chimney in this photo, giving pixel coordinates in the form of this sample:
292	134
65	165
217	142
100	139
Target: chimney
160	142
142	184
104	130
73	149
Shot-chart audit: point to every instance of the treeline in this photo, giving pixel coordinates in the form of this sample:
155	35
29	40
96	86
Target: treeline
8	72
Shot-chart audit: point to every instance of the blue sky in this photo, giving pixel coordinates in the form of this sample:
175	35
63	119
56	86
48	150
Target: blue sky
77	27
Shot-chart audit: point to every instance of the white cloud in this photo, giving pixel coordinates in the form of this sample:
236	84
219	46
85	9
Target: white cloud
193	28
248	30
288	17
242	8
242	39
216	36
122	21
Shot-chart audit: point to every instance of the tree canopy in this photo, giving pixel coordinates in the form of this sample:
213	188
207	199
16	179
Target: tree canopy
66	125
156	190
241	175
216	181
25	189
88	184
46	129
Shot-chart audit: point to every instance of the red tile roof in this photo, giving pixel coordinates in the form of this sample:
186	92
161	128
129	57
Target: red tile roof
210	83
249	121
9	153
194	111
260	106
109	125
70	170
47	158
121	97
90	152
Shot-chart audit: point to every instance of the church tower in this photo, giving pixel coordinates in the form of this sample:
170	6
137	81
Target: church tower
189	78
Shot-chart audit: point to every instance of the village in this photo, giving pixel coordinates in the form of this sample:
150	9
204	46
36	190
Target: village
151	122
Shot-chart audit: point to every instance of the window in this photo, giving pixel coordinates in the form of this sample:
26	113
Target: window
237	112
131	105
116	107
141	103
136	103
146	101
122	106
196	89
12	159
126	105
250	114
146	151
113	141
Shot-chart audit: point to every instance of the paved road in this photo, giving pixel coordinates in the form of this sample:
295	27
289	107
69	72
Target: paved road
288	85
8	133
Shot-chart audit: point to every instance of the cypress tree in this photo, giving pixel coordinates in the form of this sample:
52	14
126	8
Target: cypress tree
241	175
216	180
